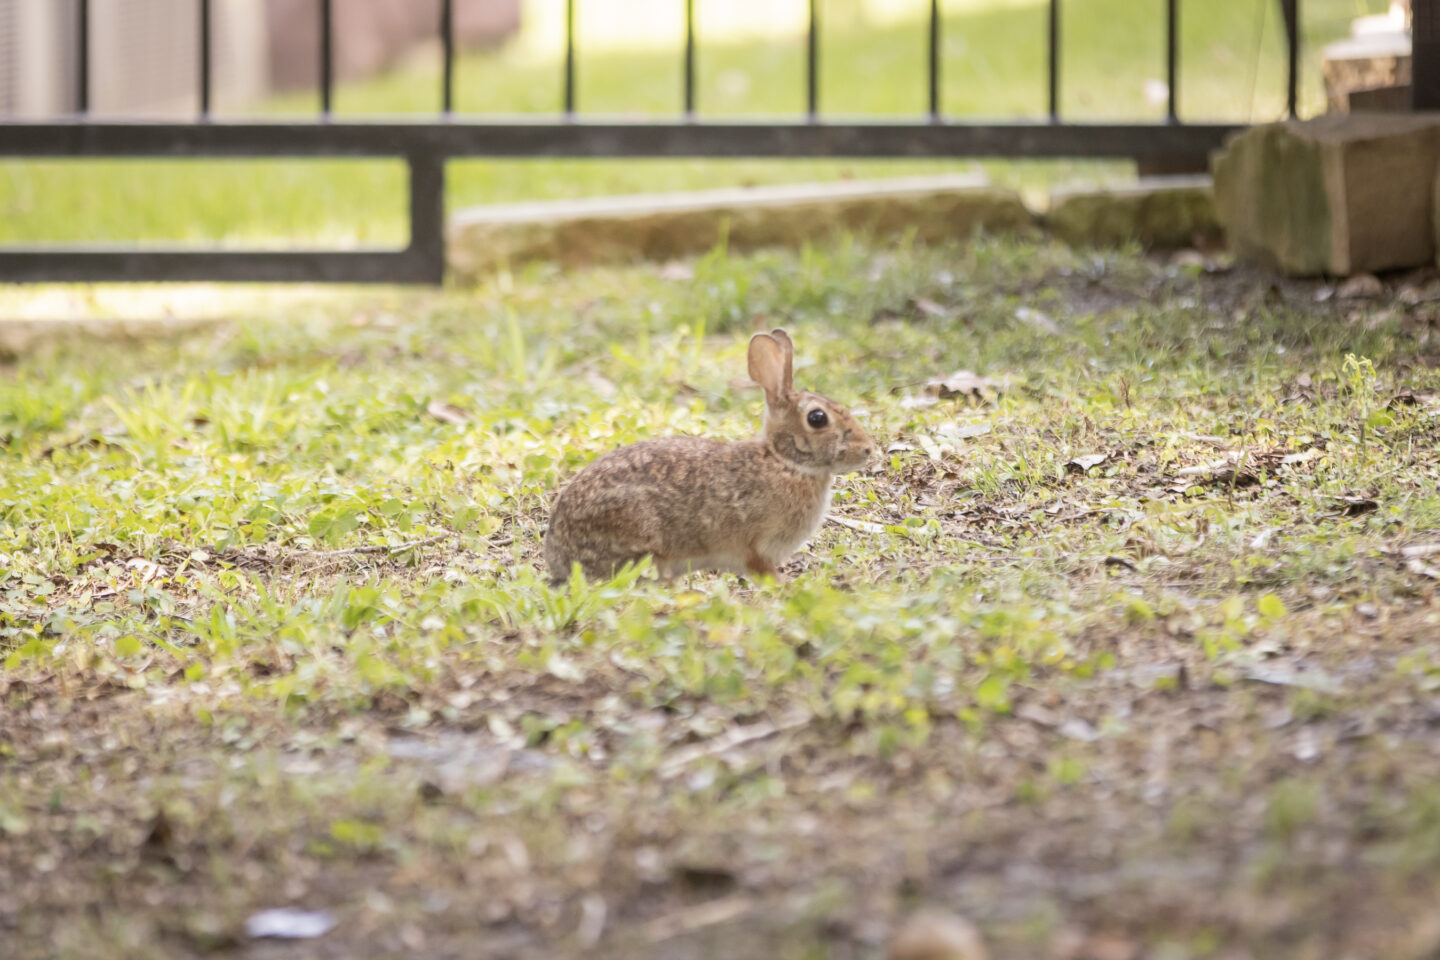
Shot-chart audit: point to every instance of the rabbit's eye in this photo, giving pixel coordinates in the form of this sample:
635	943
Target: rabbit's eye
817	419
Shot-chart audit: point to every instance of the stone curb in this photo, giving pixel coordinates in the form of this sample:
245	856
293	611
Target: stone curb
24	338
1157	212
663	226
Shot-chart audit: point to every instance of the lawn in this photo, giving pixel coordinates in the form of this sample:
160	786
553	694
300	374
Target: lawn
1127	647
1231	67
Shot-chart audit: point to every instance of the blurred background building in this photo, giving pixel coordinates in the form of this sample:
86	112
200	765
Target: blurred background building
144	54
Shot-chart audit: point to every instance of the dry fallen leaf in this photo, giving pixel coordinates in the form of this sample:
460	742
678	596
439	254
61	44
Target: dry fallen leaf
1413	295
1078	729
1108	946
1262	539
447	412
965	384
962	431
933	935
1036	319
604	387
1084	462
1242	469
1219	471
1362	286
592	920
1304	456
1418	566
1291	675
1355	506
148	569
289	923
1428	400
929	308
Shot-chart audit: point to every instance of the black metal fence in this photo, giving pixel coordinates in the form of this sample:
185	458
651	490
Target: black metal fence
426	144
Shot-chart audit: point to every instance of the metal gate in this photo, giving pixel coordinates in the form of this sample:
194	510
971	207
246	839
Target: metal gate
426	144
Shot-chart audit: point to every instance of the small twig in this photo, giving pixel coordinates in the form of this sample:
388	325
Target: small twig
1218	469
698	917
1092	511
394	550
329	557
732	738
864	526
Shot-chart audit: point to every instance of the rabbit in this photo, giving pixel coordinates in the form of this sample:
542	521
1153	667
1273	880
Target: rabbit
697	503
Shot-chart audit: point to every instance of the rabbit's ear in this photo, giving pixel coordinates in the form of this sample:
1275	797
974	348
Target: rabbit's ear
781	337
769	366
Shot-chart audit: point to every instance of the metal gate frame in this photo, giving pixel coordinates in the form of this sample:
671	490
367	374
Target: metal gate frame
425	146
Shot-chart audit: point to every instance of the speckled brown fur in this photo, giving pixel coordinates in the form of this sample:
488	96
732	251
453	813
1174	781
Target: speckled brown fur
694	503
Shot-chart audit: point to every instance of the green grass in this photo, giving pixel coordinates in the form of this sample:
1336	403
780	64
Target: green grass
274	634
1231	67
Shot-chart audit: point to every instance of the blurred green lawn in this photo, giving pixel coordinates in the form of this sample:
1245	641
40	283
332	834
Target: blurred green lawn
1231	67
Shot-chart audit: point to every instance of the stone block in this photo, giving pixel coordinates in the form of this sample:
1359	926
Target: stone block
662	226
1363	65
1335	195
1158	212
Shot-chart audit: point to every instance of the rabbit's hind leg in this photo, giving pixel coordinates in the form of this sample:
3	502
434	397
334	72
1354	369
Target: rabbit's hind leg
760	565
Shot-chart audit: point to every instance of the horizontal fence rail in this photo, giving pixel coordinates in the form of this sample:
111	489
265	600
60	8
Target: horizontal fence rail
426	144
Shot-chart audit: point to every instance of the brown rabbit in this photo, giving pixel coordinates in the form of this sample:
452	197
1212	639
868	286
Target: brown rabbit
694	503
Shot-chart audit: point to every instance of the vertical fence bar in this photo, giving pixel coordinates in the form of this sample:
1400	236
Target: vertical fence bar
447	44
934	60
327	70
569	57
427	214
1425	55
204	59
1172	54
812	62
82	54
1053	56
689	58
1291	10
